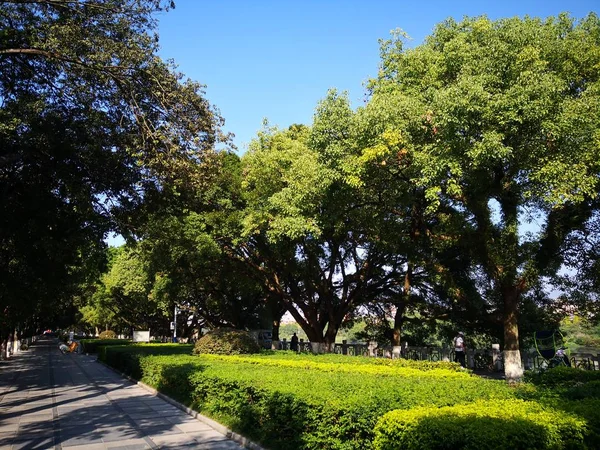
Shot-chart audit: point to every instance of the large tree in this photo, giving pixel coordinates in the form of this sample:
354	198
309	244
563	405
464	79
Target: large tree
93	123
188	243
310	230
499	122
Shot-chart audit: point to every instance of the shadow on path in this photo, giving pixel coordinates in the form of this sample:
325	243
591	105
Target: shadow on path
53	401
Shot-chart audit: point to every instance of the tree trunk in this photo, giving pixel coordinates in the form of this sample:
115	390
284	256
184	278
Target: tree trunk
275	334
330	335
276	326
513	369
277	309
397	331
399	316
308	321
401	308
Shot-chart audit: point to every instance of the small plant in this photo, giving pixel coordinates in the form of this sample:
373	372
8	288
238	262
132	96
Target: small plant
226	341
108	334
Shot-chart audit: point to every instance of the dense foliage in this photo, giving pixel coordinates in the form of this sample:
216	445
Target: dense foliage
495	425
93	125
413	206
452	199
226	341
570	390
493	121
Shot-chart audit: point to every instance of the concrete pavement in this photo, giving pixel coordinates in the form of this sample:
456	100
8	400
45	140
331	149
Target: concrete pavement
53	401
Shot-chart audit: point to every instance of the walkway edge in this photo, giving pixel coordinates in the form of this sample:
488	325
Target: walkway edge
195	414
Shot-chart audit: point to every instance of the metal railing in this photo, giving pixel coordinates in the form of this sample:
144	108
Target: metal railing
476	359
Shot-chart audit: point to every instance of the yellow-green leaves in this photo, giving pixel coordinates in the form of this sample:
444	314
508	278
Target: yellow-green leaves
510	98
284	180
495	424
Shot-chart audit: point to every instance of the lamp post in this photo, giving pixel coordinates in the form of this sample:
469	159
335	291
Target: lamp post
175	324
175	312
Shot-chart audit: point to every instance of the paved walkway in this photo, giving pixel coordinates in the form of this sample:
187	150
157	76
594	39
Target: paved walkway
53	401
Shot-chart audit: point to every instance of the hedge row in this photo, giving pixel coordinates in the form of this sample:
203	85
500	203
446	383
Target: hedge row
286	407
571	390
92	345
497	425
302	402
562	377
357	360
333	362
127	357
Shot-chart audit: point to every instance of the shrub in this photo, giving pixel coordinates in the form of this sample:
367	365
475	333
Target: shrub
327	402
572	390
323	409
345	360
92	345
108	334
226	341
127	358
587	409
496	424
168	375
562	377
313	403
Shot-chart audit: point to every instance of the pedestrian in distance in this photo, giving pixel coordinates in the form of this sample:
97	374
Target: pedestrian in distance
460	349
294	343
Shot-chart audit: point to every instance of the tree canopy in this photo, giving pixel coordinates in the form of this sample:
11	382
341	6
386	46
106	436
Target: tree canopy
93	125
497	121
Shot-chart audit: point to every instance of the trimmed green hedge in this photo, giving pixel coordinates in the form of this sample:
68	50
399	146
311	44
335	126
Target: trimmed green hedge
562	377
126	358
334	361
497	425
588	409
305	407
92	345
310	405
287	401
571	390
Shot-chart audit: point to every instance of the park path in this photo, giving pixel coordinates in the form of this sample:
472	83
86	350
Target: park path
53	401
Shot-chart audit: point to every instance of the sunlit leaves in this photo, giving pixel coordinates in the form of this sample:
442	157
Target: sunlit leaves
501	113
284	179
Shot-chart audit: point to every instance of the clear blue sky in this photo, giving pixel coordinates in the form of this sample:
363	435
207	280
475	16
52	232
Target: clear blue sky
277	59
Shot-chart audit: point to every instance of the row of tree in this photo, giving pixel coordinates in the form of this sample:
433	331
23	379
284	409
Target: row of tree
93	125
462	190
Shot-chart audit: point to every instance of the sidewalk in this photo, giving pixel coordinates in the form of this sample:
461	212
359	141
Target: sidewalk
53	401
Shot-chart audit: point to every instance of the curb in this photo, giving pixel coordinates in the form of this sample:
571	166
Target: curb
238	438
